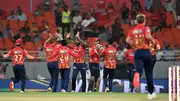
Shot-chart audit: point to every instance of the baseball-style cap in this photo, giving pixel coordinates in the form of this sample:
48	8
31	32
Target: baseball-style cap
19	41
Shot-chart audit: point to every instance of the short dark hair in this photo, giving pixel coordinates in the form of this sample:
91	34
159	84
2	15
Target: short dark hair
140	18
64	43
110	41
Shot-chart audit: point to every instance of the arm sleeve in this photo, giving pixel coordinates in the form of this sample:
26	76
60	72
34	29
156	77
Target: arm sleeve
74	54
25	53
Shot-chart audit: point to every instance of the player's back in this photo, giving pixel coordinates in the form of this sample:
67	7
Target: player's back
49	49
138	36
18	54
110	57
64	54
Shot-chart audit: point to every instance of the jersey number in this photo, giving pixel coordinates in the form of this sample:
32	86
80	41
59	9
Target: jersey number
18	58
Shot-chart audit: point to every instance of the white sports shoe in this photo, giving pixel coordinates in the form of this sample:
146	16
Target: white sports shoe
151	96
106	89
21	91
63	91
49	89
72	91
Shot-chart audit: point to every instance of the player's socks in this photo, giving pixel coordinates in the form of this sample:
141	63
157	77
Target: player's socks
11	86
136	80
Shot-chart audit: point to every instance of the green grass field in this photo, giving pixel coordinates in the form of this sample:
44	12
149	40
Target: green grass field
48	96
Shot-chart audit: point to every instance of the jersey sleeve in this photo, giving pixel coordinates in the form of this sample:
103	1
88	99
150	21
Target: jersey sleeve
25	53
74	54
147	31
10	53
92	52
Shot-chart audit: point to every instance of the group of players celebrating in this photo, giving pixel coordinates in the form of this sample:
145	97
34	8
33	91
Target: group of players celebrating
140	54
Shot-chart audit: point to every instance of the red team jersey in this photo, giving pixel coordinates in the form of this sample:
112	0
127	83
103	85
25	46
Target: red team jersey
93	56
110	57
49	49
17	55
138	36
80	50
64	54
130	55
153	46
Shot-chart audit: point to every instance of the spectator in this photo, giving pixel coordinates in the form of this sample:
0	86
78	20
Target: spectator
3	14
1	35
21	16
110	9
34	27
7	32
39	11
163	18
103	35
169	5
44	27
109	31
76	20
133	17
156	21
124	14
25	28
75	8
12	16
178	9
36	37
18	10
27	38
88	31
117	31
148	5
66	20
46	5
58	18
117	8
18	35
91	9
136	5
156	5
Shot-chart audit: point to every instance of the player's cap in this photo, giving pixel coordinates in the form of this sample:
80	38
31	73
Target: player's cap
95	39
19	41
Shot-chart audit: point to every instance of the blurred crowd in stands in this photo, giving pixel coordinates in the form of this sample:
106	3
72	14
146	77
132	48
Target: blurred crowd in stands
106	20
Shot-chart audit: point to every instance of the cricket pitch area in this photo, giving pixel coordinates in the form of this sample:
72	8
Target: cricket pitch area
48	96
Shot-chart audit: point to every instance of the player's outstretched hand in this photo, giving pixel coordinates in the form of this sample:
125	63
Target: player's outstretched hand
38	58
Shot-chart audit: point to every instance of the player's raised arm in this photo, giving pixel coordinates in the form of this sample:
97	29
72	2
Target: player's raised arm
45	43
79	39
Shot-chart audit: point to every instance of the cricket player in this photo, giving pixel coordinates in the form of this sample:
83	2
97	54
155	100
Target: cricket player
64	54
109	65
154	48
18	54
139	38
94	55
129	58
52	63
79	63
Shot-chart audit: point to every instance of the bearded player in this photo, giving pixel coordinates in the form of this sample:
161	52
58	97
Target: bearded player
18	55
139	38
79	63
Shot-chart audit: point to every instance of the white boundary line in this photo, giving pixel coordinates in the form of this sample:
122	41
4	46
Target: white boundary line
170	83
178	83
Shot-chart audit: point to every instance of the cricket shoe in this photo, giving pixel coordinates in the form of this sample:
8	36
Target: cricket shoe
11	86
63	91
49	89
21	91
72	91
106	89
151	96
